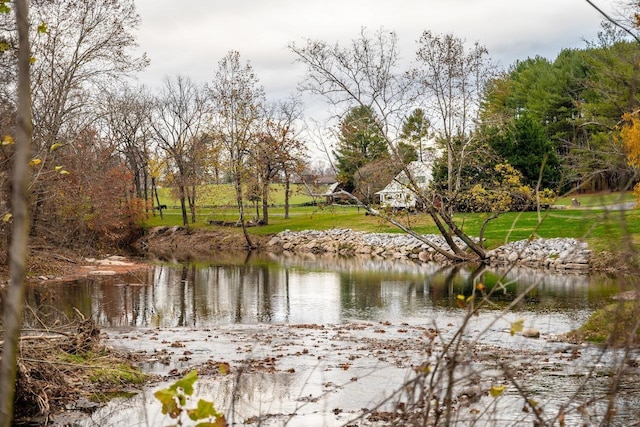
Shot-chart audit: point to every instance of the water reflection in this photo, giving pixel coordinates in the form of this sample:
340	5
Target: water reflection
276	289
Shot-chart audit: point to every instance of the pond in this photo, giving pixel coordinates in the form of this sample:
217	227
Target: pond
276	289
338	334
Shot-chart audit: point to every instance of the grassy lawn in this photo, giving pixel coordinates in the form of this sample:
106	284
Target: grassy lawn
596	199
599	227
224	195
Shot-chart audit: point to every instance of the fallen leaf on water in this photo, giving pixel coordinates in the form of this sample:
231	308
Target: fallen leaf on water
497	390
517	326
224	368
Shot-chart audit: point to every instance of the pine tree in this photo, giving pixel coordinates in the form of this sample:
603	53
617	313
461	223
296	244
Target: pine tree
361	141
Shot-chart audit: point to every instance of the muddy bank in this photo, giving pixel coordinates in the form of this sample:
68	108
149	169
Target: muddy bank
178	242
62	367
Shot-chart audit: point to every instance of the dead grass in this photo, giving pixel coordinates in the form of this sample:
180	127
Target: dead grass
61	365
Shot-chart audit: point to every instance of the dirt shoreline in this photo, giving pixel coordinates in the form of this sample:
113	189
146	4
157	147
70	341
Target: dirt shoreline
168	243
48	262
171	242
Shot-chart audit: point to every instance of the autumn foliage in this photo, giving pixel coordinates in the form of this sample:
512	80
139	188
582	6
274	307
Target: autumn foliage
95	201
504	192
630	135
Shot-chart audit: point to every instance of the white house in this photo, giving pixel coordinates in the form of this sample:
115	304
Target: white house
398	194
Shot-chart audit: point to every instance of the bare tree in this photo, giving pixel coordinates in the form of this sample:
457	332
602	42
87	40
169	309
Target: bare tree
279	150
367	74
237	102
178	125
629	26
127	123
79	48
12	321
453	79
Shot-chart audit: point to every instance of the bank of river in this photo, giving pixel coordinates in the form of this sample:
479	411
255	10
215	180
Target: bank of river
563	254
554	254
321	340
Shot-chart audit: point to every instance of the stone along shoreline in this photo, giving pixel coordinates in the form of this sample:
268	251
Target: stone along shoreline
563	254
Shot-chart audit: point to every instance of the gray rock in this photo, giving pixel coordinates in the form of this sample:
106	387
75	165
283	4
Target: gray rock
557	253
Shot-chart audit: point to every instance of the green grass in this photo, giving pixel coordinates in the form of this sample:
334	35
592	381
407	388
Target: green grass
100	368
224	195
118	374
611	324
600	228
596	199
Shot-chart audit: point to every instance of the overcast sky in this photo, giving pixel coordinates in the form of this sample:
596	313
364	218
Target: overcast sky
189	37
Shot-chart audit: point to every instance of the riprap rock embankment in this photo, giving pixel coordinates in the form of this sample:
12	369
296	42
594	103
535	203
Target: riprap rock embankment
556	253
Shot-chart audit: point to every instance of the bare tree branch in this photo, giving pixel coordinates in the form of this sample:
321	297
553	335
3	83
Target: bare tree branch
613	21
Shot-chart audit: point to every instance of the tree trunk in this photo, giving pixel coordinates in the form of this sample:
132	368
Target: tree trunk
20	232
287	193
154	191
265	204
238	185
449	205
183	206
192	203
146	197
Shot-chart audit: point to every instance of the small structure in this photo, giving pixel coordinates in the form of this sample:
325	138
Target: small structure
398	194
331	197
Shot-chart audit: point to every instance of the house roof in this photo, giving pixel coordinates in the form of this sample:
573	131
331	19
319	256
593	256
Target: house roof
417	170
332	189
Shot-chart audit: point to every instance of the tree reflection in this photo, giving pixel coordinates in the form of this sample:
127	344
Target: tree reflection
257	289
360	292
264	295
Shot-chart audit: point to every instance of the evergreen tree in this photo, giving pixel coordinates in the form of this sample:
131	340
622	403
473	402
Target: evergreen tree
528	149
415	131
361	141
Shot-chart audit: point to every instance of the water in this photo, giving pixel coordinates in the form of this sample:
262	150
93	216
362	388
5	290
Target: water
345	333
278	290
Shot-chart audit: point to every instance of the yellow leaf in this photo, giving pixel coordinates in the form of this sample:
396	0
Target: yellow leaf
58	168
517	326
224	368
55	146
42	28
35	162
424	368
32	60
7	217
460	297
65	172
497	390
8	140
